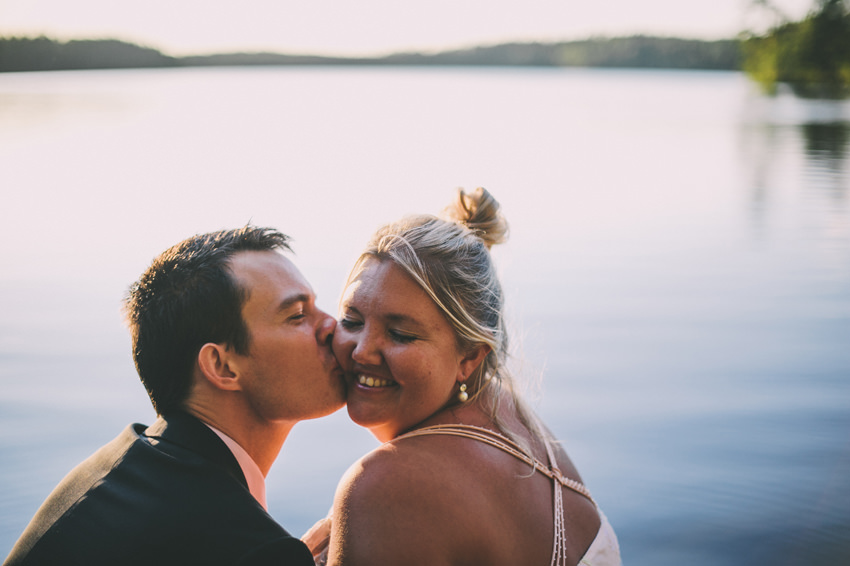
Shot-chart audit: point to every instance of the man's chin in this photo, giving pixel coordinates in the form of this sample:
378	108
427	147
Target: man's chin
331	408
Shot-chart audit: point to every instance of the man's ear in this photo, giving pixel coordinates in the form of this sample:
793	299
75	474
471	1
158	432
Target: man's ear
472	359
218	367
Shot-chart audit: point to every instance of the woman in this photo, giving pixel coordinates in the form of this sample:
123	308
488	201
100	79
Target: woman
466	473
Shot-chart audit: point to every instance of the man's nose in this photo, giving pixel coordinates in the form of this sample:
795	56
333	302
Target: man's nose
327	327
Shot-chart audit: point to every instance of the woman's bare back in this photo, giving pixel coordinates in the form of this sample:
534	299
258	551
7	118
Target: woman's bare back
451	500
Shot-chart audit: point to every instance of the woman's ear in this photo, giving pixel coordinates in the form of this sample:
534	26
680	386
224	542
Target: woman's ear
218	367
472	359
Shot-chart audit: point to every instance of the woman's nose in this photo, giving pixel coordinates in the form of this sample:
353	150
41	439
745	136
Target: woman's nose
366	351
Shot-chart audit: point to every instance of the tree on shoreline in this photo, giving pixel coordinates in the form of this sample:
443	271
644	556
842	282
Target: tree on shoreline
44	54
811	56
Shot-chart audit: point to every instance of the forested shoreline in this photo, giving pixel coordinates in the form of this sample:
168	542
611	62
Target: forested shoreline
18	54
812	56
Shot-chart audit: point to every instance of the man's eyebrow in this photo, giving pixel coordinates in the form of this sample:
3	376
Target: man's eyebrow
289	301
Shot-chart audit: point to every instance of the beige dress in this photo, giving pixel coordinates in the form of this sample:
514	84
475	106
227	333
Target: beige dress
603	551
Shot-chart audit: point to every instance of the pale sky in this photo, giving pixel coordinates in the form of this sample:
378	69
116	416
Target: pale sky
368	27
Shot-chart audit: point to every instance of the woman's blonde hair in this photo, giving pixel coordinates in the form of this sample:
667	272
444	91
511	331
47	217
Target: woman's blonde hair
449	257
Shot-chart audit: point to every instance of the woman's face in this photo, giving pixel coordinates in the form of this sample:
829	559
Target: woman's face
399	352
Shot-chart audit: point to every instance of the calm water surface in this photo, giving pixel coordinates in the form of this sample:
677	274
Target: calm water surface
678	272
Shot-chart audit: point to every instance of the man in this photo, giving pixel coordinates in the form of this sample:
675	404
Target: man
233	352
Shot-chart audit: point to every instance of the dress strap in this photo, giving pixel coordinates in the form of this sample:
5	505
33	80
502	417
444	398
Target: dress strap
493	438
505	444
559	546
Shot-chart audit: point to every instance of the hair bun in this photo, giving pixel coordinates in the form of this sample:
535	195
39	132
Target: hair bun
479	212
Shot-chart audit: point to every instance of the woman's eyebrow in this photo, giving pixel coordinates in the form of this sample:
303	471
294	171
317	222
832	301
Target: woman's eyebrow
393	317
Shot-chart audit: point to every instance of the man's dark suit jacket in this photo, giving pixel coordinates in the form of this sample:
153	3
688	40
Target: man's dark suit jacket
169	494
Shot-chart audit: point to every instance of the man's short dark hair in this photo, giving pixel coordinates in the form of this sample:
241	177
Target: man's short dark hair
187	298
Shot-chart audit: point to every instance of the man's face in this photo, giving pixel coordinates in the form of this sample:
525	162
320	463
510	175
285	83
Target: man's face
289	373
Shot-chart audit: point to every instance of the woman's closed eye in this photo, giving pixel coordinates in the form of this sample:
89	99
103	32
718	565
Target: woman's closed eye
350	323
402	337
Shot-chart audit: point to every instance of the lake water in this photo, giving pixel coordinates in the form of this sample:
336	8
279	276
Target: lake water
678	273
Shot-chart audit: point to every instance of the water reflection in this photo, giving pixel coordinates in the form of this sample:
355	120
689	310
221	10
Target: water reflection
797	156
827	141
826	150
758	150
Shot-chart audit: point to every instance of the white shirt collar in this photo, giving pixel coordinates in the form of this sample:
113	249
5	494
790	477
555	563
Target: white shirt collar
253	475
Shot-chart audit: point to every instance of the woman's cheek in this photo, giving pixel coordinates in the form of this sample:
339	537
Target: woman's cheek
340	345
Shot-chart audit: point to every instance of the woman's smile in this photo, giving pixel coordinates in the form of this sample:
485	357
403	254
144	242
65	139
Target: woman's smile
374	382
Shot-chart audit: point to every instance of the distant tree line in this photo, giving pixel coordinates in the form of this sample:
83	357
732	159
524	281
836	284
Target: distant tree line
44	54
626	52
812	56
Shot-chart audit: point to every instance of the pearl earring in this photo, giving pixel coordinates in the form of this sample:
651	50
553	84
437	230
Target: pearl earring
463	396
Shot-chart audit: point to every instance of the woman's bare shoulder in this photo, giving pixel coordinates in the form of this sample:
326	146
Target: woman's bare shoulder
401	473
394	503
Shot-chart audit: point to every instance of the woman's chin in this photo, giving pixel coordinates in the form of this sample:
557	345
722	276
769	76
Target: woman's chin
360	417
369	420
